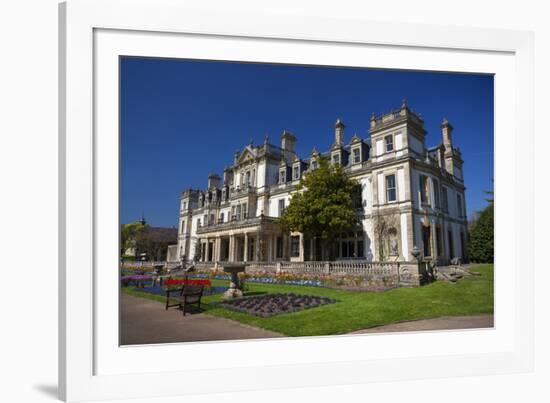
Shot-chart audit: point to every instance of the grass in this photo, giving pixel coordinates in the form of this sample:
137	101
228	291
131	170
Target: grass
358	309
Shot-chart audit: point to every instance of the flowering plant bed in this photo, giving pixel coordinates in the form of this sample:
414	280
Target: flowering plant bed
177	282
275	304
158	290
137	280
307	280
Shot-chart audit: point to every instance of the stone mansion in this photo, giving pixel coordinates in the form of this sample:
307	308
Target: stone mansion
412	197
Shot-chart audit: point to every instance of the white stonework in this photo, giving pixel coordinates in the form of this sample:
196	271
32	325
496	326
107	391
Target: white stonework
416	191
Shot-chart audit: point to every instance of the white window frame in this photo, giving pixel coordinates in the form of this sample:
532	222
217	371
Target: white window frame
386	137
353	150
282	176
386	176
296	170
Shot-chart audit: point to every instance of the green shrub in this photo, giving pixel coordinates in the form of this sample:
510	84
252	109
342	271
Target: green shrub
481	245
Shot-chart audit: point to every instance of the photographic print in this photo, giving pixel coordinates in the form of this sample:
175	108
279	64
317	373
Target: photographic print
263	200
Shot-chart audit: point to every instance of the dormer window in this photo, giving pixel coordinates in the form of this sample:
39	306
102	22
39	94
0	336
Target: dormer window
282	176
389	143
296	173
356	155
314	164
336	159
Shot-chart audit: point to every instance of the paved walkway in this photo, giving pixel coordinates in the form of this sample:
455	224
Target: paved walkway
145	321
443	323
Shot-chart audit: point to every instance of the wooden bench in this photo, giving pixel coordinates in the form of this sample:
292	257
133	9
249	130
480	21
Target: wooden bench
185	296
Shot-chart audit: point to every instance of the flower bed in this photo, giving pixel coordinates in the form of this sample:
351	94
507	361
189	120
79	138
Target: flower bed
138	280
275	304
158	290
307	280
177	282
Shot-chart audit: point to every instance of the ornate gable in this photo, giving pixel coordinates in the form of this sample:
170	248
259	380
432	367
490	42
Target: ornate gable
355	139
248	153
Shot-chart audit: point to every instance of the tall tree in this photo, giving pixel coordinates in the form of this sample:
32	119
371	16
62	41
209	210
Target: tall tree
130	235
324	206
481	245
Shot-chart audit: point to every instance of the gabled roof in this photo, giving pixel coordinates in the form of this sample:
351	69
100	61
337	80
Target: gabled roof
247	153
355	139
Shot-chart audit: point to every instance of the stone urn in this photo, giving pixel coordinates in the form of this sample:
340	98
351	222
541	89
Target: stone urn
235	287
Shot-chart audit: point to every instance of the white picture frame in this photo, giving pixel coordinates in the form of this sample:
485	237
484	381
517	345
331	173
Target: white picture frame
92	365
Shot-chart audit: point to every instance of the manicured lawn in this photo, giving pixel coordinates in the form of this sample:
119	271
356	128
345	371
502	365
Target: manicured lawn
358	310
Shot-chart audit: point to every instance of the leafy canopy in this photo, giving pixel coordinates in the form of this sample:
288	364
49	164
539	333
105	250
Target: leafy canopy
481	245
324	205
131	234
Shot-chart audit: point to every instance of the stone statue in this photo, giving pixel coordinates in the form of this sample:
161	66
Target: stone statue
394	247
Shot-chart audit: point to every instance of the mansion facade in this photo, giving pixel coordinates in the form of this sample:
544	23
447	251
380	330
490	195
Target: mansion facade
412	198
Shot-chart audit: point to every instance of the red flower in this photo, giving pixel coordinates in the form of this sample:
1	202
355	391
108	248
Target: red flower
204	282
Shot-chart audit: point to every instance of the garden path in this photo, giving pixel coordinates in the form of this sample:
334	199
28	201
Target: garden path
442	323
145	321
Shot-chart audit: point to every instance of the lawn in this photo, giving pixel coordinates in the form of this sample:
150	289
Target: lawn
358	309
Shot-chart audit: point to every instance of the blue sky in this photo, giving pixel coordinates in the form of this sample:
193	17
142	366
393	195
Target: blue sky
182	119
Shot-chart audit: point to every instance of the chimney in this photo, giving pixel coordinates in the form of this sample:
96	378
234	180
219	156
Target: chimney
288	140
446	132
214	181
339	127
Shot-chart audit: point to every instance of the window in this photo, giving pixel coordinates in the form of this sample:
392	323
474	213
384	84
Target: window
356	155
426	241
205	221
238	212
345	249
391	191
360	245
314	164
221	217
357	199
436	193
438	241
279	248
247	178
282	176
424	190
351	248
244	210
451	245
296	173
281	207
295	246
389	143
212	219
444	199
182	226
336	159
199	222
459	209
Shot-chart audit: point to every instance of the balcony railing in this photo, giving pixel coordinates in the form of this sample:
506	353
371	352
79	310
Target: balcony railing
235	223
